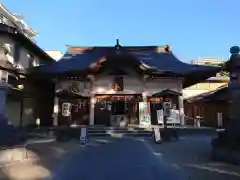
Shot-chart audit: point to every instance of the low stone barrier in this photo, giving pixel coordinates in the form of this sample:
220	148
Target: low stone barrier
15	154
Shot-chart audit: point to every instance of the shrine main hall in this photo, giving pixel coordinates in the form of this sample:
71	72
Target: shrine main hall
112	86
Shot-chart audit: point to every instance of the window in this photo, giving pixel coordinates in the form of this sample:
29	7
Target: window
118	107
118	84
8	49
16	54
30	60
36	62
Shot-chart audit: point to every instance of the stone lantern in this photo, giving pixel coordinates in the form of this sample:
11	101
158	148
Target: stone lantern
226	146
233	67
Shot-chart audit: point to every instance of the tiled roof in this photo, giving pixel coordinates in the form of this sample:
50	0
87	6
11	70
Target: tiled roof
156	57
210	94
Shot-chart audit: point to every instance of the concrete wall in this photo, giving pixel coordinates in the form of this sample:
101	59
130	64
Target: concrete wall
200	88
56	55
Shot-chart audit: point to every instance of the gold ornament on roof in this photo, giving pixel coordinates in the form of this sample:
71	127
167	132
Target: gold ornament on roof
168	48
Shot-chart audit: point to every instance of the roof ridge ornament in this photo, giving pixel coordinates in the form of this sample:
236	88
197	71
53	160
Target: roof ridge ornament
118	46
167	48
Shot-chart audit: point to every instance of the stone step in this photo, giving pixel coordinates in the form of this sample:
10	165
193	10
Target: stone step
116	131
119	128
117	134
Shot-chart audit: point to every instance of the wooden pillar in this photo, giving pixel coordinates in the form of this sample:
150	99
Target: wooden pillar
55	111
91	79
144	93
92	107
181	110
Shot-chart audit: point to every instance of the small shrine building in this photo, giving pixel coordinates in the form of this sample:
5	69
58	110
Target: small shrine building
117	86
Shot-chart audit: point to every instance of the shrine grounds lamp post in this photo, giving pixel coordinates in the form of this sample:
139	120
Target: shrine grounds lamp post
226	146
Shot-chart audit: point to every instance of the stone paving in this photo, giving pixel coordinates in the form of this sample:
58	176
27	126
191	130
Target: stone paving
192	156
41	160
115	159
121	158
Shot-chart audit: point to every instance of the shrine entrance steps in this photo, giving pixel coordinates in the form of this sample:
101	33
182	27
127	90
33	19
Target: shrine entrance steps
68	133
101	131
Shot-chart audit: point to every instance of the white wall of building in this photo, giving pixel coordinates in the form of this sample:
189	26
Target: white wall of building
132	85
56	55
191	92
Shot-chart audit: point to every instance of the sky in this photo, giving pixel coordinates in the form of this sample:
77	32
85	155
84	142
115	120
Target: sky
194	28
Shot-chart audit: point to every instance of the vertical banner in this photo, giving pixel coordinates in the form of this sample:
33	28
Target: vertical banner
144	113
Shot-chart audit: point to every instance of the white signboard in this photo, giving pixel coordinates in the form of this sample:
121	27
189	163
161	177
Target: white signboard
66	109
144	113
174	117
160	116
167	108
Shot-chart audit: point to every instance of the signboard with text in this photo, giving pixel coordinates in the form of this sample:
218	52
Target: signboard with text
144	113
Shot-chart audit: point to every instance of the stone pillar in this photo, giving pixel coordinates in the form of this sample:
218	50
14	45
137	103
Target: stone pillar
92	107
181	110
233	67
226	145
55	111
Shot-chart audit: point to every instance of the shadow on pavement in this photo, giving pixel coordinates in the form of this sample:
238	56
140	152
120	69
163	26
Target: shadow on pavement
193	156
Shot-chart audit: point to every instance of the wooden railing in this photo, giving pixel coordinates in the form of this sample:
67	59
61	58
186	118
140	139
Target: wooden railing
193	121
